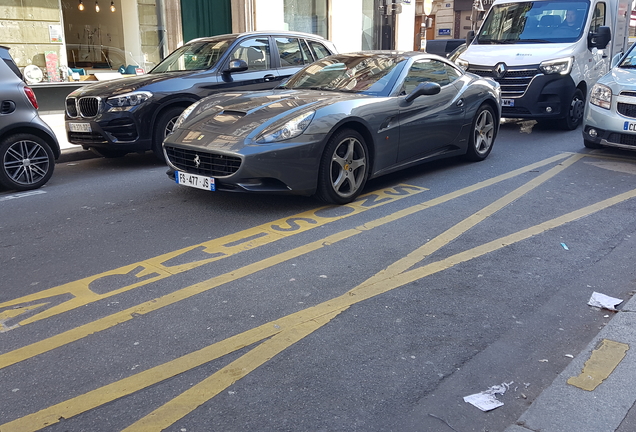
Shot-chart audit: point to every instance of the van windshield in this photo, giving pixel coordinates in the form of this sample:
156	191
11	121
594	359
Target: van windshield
534	22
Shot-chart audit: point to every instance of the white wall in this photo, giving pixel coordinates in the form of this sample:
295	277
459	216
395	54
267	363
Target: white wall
405	24
269	15
346	25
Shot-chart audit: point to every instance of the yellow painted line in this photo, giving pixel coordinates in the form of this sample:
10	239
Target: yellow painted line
163	266
197	395
9	314
112	320
600	365
363	292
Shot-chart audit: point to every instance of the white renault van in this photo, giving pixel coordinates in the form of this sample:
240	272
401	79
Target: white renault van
547	54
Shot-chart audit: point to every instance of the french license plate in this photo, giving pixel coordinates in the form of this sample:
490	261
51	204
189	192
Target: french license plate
195	181
629	126
79	127
508	102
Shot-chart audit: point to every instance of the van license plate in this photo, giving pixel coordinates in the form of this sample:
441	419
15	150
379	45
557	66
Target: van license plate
195	181
508	102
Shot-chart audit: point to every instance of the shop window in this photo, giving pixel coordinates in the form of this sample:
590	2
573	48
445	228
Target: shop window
309	16
290	52
255	52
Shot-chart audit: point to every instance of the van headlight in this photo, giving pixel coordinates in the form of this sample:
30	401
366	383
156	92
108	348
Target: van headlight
462	63
291	129
601	96
559	66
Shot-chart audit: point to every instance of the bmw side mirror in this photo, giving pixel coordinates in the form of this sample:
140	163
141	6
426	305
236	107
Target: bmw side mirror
236	65
423	89
600	39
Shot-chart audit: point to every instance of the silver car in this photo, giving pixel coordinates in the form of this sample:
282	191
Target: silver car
610	114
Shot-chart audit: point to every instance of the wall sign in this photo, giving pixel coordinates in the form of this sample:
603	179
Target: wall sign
444	32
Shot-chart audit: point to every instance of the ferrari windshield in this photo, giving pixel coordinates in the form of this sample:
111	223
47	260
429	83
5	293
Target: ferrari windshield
365	74
194	56
535	22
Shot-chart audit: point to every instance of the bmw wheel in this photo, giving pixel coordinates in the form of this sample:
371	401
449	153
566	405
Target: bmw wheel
344	168
27	162
483	133
163	127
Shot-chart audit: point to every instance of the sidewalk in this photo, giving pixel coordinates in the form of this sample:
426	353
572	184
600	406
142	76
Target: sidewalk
70	152
563	407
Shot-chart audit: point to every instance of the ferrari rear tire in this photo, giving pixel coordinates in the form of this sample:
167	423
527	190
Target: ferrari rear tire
163	127
482	134
27	162
344	168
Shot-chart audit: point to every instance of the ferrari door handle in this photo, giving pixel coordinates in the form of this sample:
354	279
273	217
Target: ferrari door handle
268	78
460	103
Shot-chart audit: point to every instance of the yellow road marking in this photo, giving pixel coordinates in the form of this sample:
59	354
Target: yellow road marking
112	320
600	365
159	373
160	267
8	314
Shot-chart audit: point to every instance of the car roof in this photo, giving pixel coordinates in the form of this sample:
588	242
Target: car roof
259	32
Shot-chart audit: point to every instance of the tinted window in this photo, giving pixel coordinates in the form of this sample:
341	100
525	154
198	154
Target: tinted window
291	53
255	52
452	73
194	56
319	49
599	17
4	54
423	71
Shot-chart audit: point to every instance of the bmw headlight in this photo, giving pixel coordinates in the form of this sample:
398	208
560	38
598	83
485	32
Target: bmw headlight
128	100
601	95
291	129
462	63
186	113
559	66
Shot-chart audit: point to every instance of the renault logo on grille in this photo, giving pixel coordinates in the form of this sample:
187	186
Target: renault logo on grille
500	70
197	161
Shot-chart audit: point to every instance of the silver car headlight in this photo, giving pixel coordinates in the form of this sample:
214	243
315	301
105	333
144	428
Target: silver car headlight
186	113
462	63
291	129
128	100
601	96
561	66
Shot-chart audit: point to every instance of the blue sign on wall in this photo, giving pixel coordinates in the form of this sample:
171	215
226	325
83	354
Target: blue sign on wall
444	32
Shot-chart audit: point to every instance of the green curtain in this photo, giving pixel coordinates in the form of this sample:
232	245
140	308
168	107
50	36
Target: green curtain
202	18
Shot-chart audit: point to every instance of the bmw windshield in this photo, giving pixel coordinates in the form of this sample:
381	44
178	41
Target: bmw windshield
535	22
350	73
194	56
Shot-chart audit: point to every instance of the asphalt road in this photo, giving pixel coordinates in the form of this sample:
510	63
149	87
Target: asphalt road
130	303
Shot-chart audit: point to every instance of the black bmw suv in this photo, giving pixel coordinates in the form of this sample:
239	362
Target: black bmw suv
28	146
135	114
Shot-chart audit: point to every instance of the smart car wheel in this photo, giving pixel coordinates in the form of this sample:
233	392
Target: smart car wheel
163	127
482	134
344	168
27	162
575	111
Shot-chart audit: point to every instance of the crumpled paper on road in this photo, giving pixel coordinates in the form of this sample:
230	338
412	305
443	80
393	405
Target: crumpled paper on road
486	400
603	301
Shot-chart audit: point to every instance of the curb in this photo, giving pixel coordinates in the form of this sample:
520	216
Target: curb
565	408
74	155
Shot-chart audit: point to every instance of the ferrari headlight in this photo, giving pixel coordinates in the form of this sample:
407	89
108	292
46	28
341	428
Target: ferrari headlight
601	95
559	66
291	129
129	99
186	113
462	63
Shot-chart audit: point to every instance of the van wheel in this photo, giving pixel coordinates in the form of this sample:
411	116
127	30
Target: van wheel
27	162
163	127
574	114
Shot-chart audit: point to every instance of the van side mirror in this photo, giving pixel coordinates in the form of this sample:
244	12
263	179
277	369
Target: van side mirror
423	89
236	65
600	39
469	37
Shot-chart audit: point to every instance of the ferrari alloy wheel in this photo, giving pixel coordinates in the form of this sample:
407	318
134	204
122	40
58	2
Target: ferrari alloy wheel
344	168
482	135
27	162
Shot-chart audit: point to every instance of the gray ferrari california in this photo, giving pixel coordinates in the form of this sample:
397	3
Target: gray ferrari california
335	124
